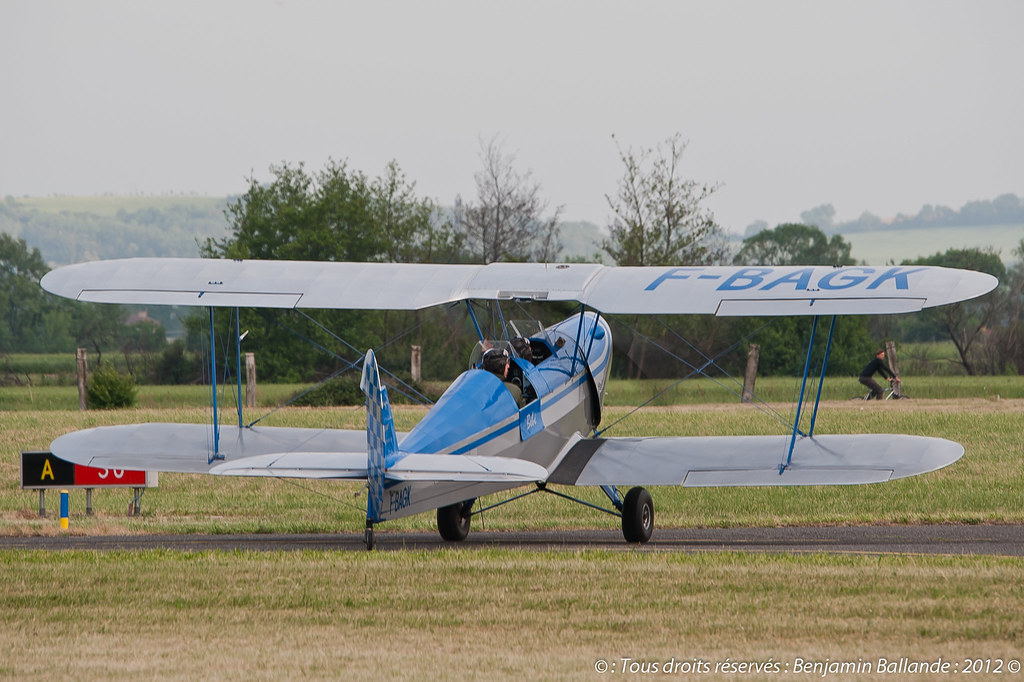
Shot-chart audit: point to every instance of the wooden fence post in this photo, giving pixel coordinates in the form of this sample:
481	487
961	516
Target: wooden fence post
894	364
83	368
751	375
250	380
415	368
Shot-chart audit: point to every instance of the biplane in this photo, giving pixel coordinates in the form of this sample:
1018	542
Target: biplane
526	412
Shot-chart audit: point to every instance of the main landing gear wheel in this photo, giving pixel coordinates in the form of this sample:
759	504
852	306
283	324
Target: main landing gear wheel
637	515
453	521
368	538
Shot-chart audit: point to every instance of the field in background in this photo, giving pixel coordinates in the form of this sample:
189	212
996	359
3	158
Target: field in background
618	393
109	206
884	246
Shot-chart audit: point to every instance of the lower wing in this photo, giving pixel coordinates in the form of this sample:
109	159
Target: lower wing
279	452
753	460
188	448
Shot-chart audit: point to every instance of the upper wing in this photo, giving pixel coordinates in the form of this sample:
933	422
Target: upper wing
752	460
759	291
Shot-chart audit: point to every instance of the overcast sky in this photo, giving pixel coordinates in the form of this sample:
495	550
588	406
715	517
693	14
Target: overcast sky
869	106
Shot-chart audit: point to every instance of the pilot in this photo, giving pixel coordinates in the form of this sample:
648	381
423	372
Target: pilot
497	362
523	349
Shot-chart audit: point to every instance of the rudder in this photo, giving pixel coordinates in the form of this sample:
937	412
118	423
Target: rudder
381	441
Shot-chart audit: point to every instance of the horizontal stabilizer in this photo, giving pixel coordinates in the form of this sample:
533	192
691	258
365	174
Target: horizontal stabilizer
753	460
297	465
419	467
415	467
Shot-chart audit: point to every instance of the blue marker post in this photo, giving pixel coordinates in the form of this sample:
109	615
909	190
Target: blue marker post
64	509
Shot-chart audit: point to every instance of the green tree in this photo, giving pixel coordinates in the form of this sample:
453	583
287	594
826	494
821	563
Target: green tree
335	214
298	216
966	322
783	340
794	244
660	218
98	326
1001	347
31	320
506	221
821	217
411	226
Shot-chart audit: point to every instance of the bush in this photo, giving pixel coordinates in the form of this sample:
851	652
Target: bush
108	389
339	391
345	391
175	366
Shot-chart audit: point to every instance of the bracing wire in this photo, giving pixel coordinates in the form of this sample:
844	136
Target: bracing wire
697	371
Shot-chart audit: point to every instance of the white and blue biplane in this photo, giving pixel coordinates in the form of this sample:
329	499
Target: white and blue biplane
487	434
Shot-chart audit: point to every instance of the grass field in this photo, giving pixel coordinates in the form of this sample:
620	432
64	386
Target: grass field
487	615
505	614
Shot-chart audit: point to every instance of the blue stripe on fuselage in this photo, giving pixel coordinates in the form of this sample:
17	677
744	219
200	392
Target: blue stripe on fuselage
477	409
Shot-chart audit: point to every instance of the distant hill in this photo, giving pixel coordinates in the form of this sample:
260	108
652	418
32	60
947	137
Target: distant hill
74	229
997	224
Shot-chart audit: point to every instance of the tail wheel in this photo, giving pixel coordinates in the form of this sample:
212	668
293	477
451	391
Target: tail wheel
453	521
637	515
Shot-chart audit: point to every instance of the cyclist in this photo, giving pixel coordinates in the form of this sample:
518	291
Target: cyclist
867	375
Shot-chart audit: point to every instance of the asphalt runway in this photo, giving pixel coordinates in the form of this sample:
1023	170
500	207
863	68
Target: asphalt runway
951	540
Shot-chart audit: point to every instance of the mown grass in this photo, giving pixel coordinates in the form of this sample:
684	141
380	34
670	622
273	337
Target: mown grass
489	614
506	614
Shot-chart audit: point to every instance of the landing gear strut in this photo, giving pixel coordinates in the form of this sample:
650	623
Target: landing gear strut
453	521
368	536
637	516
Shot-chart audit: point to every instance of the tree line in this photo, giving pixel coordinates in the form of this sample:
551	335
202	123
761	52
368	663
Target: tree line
659	217
1006	209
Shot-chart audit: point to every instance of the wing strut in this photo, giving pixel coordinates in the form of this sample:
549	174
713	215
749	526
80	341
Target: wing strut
821	381
800	401
238	366
803	388
472	316
213	385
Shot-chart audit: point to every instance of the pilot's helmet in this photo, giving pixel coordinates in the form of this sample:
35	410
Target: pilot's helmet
494	360
522	348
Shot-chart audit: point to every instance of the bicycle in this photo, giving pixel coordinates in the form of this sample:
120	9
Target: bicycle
894	392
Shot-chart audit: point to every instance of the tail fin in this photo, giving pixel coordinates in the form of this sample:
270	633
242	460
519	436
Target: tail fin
381	441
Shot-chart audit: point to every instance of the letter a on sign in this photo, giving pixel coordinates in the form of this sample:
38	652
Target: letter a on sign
47	471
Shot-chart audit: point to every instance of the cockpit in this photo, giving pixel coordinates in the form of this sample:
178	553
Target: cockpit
513	359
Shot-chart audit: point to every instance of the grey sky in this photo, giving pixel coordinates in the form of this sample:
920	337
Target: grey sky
880	106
